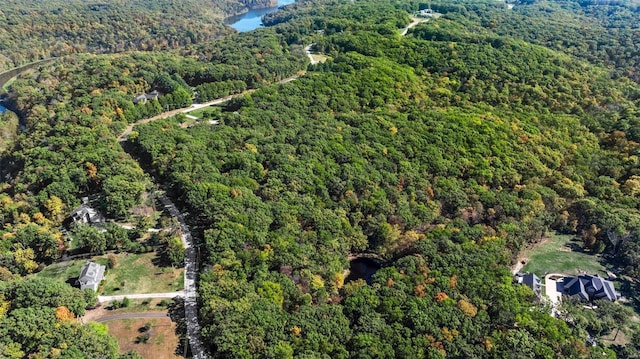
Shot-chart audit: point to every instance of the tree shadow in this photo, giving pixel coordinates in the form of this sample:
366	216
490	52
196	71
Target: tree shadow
72	282
575	246
177	315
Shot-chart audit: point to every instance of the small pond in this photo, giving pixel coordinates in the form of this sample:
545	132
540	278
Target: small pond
362	268
252	19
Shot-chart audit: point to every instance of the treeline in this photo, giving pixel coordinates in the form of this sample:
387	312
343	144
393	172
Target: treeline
445	152
32	30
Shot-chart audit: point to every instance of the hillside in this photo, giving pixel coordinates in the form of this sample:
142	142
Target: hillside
438	155
32	30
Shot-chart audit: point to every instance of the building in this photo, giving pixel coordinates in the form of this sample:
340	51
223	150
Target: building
153	95
91	275
530	280
87	214
426	12
589	288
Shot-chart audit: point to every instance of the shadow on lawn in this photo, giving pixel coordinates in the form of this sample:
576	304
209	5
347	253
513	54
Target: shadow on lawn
177	315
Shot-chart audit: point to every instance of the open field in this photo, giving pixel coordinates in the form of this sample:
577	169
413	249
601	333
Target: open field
135	273
319	57
561	254
201	111
162	342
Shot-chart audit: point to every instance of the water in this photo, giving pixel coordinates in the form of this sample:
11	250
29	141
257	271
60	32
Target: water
253	19
362	268
2	110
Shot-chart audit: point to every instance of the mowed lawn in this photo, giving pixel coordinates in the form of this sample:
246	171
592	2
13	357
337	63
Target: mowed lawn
67	271
561	254
133	274
201	111
162	343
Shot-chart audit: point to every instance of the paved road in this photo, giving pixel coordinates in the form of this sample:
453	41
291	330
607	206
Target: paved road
111	298
132	316
190	275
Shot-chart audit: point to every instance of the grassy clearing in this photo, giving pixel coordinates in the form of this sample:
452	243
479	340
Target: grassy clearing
561	254
67	271
135	273
319	57
162	343
200	113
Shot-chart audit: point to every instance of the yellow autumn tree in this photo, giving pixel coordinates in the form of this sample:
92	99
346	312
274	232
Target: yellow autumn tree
63	314
467	308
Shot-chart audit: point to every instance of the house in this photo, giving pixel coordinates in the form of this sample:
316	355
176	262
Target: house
153	95
589	287
91	275
87	214
530	280
425	12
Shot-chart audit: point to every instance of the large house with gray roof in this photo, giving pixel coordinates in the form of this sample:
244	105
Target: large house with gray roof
86	214
91	275
589	288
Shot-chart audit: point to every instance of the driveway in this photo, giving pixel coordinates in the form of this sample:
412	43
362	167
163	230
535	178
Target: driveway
553	289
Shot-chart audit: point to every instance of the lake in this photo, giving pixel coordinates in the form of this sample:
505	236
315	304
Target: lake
253	19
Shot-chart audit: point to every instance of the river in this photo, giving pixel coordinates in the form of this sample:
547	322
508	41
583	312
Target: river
252	19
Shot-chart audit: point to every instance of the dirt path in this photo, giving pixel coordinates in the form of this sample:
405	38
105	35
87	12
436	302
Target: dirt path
127	131
518	266
414	21
307	50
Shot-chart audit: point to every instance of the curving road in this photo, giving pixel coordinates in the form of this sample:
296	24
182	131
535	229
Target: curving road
190	275
307	50
414	21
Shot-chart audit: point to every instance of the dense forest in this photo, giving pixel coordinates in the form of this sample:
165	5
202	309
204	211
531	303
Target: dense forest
441	154
32	30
